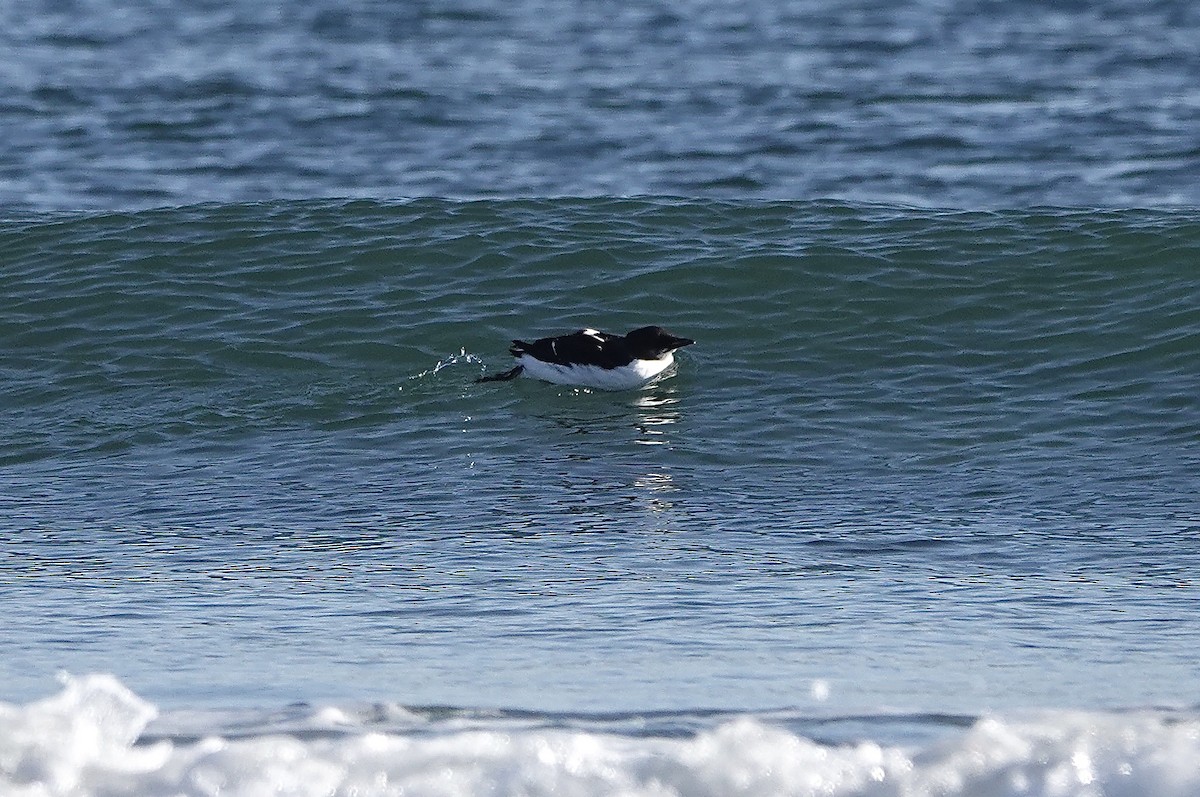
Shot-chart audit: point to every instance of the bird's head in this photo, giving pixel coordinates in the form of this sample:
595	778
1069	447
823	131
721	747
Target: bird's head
653	343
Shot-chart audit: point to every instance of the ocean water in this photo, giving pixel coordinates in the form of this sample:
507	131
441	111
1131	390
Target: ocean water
971	103
924	472
917	515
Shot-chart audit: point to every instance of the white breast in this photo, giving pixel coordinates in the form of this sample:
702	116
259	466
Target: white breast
627	377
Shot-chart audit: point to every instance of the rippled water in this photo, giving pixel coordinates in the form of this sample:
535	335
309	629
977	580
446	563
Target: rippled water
963	104
926	460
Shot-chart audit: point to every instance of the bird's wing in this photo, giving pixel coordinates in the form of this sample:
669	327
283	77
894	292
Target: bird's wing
585	347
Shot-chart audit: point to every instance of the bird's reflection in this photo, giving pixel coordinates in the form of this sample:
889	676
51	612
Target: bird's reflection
593	472
655	488
657	412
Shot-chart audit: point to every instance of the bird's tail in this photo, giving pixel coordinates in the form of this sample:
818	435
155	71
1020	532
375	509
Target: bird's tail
503	376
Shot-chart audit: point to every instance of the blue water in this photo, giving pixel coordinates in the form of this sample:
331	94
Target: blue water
932	460
964	104
917	460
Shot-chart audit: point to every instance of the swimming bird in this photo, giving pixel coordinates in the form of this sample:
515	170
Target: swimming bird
590	358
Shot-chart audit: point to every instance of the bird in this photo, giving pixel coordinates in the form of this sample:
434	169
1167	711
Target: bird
590	358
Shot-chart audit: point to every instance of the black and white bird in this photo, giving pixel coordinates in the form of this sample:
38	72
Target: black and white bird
589	358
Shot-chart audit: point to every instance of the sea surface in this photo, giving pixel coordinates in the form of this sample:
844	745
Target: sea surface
960	103
919	513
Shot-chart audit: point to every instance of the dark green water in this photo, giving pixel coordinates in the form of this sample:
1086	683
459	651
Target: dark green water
942	460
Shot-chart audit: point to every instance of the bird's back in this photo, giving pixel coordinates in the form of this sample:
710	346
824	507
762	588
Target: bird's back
585	347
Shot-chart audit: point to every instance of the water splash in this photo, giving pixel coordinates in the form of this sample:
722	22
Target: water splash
446	362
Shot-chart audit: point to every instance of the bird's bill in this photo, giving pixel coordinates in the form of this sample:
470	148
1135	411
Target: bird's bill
679	343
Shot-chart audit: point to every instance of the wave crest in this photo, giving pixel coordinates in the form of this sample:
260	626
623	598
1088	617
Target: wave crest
84	740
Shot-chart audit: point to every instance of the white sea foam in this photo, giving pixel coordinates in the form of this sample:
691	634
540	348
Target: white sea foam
82	741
